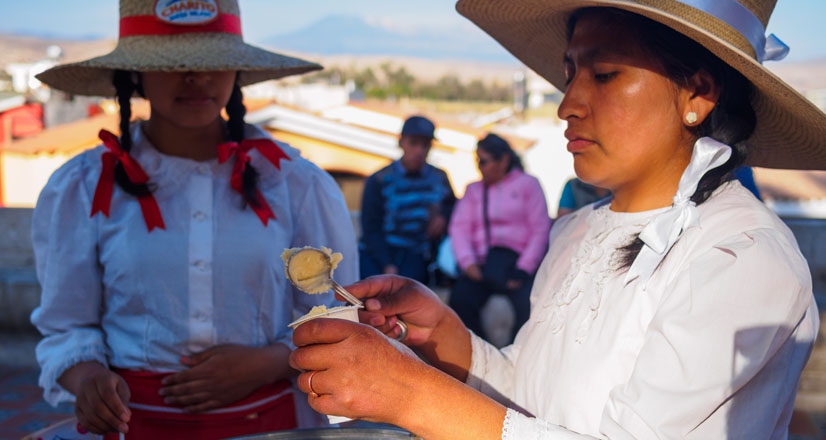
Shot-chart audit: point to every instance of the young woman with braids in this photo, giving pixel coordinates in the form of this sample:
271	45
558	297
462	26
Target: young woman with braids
679	309
165	305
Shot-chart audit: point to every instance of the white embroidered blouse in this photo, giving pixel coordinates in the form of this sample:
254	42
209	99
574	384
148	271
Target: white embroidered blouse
117	294
712	348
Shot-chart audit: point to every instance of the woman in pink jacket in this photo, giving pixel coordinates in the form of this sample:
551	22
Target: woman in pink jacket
499	233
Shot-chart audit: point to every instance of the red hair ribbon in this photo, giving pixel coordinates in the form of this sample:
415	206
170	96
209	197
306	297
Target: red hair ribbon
268	149
150	25
106	182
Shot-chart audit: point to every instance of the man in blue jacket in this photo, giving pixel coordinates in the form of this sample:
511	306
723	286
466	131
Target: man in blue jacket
405	208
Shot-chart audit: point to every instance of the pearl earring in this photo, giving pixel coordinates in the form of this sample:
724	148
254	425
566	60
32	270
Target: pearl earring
691	117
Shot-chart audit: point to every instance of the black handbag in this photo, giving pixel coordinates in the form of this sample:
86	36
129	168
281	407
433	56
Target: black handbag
500	261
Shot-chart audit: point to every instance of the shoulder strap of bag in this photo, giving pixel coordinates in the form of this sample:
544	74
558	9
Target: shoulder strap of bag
485	215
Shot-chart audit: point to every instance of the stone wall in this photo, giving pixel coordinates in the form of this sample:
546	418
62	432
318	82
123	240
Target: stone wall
19	291
811	236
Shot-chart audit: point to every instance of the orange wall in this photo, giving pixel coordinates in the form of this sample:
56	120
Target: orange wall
461	169
333	157
23	176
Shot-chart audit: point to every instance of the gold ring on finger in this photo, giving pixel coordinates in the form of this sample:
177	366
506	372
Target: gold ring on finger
310	382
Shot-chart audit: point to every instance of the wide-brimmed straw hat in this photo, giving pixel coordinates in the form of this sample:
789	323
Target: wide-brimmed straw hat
790	131
175	36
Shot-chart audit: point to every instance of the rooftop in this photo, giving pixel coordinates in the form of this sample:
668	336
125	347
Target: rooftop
791	184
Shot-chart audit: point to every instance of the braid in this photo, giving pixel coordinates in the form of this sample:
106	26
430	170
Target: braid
731	122
125	87
236	125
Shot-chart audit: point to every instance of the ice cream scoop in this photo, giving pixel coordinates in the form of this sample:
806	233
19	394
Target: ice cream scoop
311	270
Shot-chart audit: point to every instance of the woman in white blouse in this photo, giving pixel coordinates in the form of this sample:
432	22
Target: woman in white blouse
680	309
165	313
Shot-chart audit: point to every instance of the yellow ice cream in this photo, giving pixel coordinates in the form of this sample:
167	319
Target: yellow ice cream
317	310
311	269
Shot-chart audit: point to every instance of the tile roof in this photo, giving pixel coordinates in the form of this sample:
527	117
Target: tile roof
791	184
74	136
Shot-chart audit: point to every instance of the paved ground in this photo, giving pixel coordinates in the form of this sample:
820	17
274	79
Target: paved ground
22	410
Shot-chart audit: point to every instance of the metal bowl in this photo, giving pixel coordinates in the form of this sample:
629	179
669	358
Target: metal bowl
335	433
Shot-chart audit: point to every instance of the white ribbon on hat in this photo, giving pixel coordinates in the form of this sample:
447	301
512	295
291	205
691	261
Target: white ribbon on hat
744	21
667	227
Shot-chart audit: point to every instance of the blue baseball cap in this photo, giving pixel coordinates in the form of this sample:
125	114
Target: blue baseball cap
418	126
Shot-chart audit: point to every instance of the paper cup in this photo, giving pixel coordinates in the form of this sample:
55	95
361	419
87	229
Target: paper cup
350	313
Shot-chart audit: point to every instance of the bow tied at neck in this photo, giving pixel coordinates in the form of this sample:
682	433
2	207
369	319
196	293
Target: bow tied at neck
666	228
270	151
103	192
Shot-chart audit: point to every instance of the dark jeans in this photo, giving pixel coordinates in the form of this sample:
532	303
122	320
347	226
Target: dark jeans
468	297
411	264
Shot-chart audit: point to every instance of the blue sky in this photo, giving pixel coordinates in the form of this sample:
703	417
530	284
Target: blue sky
800	23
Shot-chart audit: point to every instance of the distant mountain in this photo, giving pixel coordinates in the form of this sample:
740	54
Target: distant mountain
16	48
340	34
45	35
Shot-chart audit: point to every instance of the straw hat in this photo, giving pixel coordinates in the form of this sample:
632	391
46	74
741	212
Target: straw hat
790	132
175	36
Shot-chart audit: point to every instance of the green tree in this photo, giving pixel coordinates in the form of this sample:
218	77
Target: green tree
396	82
365	79
449	87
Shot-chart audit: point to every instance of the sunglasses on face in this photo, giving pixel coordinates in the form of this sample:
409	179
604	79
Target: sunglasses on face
483	162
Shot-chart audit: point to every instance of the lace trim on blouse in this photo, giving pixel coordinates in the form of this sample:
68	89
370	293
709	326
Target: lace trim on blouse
595	261
507	425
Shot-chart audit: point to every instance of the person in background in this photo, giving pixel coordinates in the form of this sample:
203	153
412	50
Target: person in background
499	233
165	306
405	209
576	194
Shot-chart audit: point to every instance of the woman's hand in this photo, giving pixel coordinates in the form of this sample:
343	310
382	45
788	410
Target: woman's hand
101	397
387	298
437	226
433	328
517	278
223	375
359	373
474	272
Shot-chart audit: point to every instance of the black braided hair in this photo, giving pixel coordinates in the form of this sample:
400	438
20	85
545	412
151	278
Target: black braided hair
236	126
732	121
126	87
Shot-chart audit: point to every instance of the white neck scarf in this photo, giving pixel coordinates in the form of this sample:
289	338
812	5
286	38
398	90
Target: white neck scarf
667	227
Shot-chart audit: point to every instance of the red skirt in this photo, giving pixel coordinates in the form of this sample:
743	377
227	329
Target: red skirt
269	408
